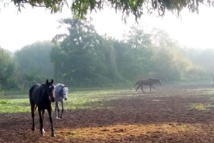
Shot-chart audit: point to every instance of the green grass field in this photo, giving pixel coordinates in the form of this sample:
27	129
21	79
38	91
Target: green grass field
16	102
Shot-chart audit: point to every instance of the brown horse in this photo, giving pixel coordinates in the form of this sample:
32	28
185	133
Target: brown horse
149	81
41	96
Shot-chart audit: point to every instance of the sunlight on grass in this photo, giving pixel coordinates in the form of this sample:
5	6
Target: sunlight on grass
123	131
197	106
14	105
67	133
76	100
92	99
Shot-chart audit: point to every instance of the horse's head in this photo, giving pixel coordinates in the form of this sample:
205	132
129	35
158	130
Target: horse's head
64	92
50	89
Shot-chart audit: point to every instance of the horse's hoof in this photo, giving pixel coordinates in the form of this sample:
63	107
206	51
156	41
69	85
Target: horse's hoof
43	132
58	118
33	129
53	135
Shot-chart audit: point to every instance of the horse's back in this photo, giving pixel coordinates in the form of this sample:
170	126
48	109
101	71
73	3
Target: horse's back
61	92
148	81
34	93
58	87
155	80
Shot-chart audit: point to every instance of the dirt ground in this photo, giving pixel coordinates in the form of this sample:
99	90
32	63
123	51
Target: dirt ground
178	114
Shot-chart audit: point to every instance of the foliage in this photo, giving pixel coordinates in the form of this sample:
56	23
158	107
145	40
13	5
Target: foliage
7	70
170	63
142	51
34	63
82	58
136	7
204	61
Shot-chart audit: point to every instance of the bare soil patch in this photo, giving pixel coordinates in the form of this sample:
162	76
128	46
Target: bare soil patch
179	114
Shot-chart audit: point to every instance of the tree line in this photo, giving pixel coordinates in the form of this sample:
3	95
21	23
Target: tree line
83	58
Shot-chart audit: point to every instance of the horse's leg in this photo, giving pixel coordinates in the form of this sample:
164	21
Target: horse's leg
139	85
33	109
62	109
51	121
153	88
57	109
142	88
41	115
43	112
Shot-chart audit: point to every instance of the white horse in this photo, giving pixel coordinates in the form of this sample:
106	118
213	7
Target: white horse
61	94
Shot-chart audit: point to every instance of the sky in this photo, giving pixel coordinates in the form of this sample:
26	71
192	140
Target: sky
37	24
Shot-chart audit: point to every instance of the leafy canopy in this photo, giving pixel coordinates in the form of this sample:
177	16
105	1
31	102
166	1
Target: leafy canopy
136	7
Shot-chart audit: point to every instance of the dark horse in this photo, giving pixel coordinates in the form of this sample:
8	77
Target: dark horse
41	96
149	81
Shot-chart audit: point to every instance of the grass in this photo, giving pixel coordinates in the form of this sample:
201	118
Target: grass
16	102
12	103
90	99
197	106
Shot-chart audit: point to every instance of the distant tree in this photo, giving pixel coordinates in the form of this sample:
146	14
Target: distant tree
154	54
7	70
34	63
79	58
136	7
170	63
141	45
203	58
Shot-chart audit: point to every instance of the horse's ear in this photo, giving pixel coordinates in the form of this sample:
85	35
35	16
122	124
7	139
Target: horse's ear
47	81
52	81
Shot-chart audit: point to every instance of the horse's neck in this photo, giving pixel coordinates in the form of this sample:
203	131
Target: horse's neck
43	92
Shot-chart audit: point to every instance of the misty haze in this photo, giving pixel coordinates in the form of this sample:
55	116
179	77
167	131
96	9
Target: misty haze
125	77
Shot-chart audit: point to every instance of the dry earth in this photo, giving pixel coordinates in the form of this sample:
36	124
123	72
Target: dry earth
179	114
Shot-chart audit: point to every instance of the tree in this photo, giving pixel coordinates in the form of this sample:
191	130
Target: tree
136	7
203	58
34	63
7	70
79	57
170	63
141	44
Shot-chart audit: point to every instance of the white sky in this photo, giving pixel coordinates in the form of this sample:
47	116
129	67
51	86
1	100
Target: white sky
31	25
